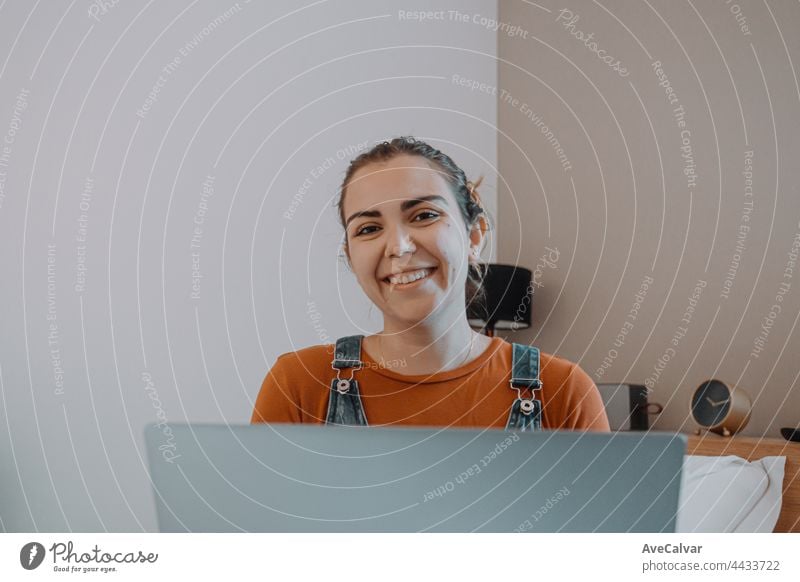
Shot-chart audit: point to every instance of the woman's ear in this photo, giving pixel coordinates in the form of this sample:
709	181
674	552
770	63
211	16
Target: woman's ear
346	255
474	256
477	237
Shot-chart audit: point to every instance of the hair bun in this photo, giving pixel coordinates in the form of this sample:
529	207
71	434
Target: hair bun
472	187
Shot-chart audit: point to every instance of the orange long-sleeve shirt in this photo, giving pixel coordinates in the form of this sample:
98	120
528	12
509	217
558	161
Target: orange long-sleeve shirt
477	394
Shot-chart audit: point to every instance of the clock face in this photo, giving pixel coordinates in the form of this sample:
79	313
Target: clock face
711	403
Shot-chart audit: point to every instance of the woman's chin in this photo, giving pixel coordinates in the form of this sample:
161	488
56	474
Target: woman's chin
415	306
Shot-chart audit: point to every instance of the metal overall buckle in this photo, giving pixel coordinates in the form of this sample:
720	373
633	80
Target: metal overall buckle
343	384
526	405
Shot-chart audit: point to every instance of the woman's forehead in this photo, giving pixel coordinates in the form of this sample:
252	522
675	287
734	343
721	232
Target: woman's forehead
400	178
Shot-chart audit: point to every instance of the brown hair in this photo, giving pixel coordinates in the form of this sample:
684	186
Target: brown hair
465	191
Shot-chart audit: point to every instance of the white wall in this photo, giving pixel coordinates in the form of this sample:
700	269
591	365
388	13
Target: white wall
103	188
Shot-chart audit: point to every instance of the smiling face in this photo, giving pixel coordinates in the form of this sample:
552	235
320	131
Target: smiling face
407	240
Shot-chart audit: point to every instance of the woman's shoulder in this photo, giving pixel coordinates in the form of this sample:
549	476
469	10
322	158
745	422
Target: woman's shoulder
316	355
556	362
303	369
564	372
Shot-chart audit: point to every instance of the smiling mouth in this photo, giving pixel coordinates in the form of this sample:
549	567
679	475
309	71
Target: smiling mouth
400	285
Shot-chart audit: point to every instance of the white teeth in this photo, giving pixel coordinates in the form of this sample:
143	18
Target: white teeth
408	277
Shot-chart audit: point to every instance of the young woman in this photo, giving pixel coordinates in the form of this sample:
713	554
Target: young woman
414	227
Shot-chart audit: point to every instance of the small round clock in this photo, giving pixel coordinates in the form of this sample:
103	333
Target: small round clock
720	408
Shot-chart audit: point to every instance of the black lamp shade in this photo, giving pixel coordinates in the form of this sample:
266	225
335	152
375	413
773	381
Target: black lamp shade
508	299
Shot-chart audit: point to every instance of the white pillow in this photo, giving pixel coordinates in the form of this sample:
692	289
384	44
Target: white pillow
730	494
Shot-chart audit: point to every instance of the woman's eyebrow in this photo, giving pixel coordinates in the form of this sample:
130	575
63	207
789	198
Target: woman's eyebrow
404	206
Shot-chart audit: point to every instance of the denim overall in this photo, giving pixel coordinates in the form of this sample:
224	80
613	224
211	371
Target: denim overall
345	407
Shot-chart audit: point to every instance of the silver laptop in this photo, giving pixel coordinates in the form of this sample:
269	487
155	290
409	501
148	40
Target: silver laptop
309	478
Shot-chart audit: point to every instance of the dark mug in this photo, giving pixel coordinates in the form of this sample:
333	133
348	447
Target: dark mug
791	434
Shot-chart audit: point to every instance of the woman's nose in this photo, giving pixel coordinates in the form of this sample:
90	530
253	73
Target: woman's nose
399	243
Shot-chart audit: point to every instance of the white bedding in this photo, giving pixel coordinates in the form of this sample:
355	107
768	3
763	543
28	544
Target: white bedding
730	494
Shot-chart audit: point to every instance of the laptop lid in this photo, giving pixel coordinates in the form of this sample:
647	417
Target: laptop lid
310	478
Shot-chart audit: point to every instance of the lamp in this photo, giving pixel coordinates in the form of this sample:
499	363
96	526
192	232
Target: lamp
508	299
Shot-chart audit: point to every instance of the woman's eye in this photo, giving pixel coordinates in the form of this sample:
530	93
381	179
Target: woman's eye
363	230
424	213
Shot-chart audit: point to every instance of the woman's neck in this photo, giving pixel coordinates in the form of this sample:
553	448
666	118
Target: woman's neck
427	349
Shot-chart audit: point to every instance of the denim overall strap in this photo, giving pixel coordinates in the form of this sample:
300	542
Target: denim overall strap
344	403
526	413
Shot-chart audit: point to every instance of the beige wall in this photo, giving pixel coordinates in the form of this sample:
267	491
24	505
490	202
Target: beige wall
619	207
